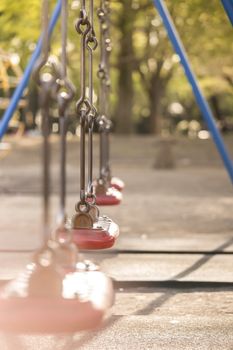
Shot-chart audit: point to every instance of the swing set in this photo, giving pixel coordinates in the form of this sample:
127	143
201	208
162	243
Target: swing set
60	292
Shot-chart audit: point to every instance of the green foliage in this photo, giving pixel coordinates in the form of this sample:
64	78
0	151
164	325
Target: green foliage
20	26
203	27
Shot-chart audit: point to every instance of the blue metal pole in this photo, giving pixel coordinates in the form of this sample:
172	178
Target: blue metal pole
228	6
26	76
203	105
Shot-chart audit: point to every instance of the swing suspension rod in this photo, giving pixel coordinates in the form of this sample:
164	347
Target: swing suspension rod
86	111
83	27
92	44
65	93
104	76
45	127
45	78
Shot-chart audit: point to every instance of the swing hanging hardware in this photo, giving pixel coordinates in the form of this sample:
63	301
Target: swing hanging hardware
89	229
65	94
46	73
86	111
101	72
83	25
83	108
82	207
105	193
92	117
91	45
91	40
83	219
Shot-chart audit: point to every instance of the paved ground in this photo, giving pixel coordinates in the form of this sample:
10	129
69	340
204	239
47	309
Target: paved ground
173	262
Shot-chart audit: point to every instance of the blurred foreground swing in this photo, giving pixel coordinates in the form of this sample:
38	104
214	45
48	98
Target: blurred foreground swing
56	293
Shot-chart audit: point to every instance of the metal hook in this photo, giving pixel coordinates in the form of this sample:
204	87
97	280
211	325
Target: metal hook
83	105
91	42
65	93
83	21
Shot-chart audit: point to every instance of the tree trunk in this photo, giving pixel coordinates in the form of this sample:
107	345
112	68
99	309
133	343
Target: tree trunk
156	92
218	113
33	104
125	90
216	107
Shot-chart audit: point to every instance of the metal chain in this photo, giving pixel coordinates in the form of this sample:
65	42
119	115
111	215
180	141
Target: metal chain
102	72
65	93
45	76
104	76
45	27
64	15
108	49
83	27
83	107
92	44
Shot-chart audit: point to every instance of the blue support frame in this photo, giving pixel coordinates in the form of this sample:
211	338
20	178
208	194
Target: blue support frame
228	6
203	105
26	76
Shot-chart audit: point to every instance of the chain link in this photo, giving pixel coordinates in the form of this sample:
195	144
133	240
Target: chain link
86	111
83	27
105	42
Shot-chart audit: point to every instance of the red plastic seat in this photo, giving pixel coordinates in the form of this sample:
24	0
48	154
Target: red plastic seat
117	183
102	236
111	197
85	298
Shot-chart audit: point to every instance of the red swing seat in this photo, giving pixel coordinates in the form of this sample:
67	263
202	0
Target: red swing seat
111	197
117	183
86	297
102	235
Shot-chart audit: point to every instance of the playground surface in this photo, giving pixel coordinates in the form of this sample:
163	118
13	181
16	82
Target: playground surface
172	264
